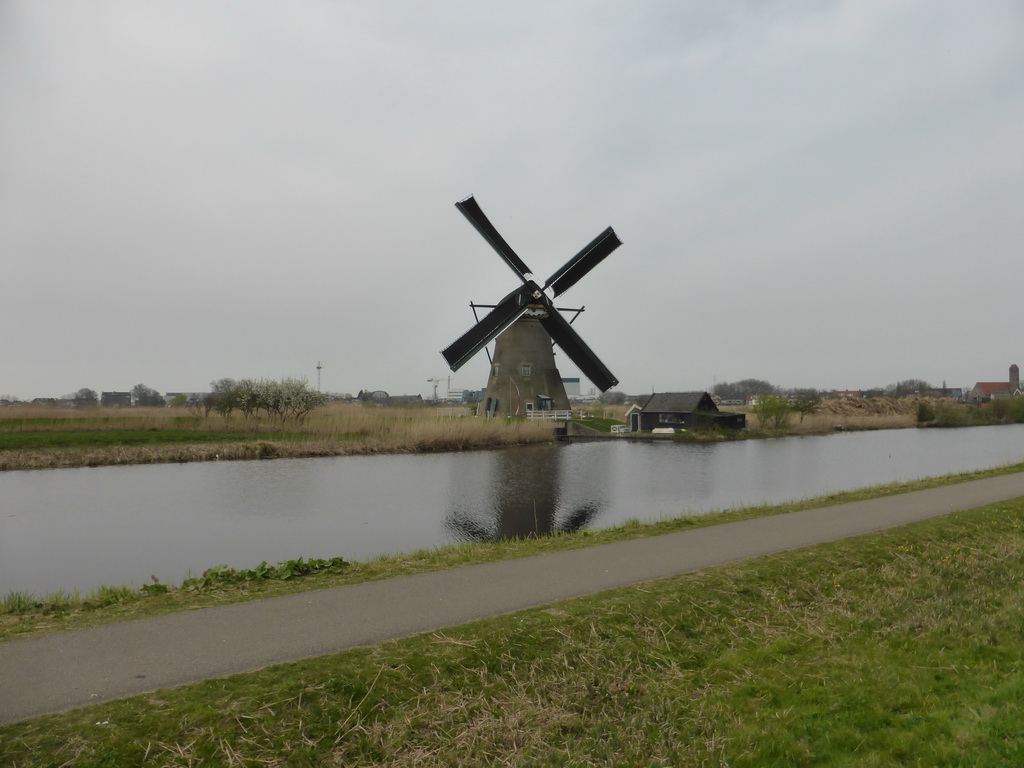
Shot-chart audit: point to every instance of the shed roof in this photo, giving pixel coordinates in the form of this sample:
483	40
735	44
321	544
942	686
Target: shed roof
679	402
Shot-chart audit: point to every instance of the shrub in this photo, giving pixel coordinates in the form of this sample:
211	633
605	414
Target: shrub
16	602
949	414
1017	409
1001	409
773	411
925	412
806	403
285	399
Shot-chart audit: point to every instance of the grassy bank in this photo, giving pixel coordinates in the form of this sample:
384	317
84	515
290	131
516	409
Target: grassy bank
39	438
899	648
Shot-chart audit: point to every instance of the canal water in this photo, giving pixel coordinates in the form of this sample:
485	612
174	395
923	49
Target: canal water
81	528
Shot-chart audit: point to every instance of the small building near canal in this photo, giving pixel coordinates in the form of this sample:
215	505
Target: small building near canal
681	410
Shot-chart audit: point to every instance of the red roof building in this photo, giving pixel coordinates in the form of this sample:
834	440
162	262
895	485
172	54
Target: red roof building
984	391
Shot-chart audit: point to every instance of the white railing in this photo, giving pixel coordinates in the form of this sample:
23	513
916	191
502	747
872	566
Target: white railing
560	415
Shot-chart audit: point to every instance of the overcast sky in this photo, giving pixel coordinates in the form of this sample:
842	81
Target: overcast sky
820	194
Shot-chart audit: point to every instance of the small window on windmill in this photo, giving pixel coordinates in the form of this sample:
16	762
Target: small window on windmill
525	369
497	369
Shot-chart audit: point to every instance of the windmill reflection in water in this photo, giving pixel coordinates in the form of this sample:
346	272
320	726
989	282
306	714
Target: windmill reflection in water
523	488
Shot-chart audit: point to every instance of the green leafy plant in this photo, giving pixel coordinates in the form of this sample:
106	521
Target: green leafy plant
221	575
925	412
772	411
106	595
17	601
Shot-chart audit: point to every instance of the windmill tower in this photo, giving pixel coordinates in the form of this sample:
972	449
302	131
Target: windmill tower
523	375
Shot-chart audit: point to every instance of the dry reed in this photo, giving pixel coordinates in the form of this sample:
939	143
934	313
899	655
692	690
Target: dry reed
847	415
822	423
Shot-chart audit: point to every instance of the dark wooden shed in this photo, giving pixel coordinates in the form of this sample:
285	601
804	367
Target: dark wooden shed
116	399
682	410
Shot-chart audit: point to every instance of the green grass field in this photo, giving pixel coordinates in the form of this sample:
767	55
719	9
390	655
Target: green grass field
598	424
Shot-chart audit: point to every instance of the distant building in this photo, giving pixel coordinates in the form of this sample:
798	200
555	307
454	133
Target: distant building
52	402
984	391
380	397
405	400
190	398
572	387
470	396
953	393
116	399
847	393
375	396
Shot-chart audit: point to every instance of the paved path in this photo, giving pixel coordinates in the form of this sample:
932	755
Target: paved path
59	672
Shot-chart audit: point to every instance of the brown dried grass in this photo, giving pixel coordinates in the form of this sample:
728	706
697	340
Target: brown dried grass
849	414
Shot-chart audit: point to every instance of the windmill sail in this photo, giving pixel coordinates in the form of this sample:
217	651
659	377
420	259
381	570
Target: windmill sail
511	308
579	265
565	336
472	211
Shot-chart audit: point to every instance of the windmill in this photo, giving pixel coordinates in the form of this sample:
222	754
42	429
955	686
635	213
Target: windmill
523	374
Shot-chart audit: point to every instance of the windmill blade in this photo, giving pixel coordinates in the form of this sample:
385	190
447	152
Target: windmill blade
471	210
579	265
511	308
565	336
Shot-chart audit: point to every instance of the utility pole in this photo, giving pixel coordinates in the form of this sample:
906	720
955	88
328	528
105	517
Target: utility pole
318	367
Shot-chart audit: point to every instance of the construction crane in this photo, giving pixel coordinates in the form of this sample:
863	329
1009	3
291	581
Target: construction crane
435	382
